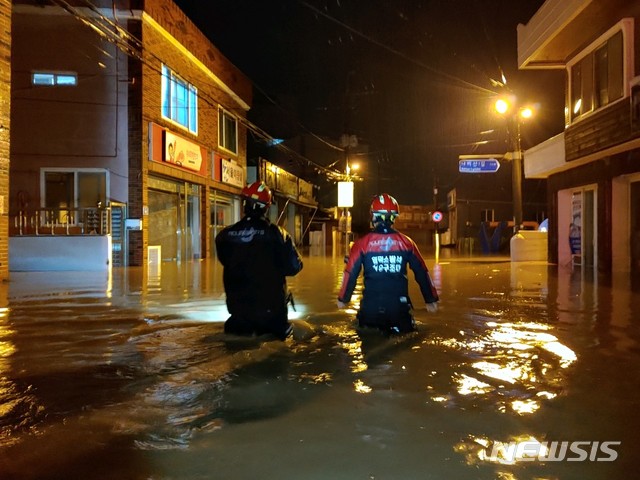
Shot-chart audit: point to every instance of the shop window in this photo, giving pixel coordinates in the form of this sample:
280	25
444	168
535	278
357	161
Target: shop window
227	131
179	100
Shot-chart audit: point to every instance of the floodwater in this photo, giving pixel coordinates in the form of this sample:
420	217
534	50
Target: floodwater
129	376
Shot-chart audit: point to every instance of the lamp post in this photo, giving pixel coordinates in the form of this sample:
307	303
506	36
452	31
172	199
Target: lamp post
515	115
345	201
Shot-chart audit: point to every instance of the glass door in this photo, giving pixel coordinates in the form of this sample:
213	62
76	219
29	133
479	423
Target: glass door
192	225
583	235
222	215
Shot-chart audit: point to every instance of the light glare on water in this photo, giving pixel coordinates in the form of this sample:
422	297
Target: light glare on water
130	376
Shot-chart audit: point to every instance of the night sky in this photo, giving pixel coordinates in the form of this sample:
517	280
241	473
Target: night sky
412	79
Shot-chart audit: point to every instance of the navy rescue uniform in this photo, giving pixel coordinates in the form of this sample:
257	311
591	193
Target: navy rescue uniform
257	257
384	254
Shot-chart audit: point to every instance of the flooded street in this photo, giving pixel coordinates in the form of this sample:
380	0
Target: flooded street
131	377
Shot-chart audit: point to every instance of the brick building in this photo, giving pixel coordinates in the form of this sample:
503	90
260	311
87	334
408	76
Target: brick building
5	103
127	123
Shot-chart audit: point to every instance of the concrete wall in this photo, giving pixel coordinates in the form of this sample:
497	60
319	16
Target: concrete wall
58	253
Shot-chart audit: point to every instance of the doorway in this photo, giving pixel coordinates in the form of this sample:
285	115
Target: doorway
634	229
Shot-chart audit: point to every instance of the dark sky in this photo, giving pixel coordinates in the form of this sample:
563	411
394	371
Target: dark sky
410	78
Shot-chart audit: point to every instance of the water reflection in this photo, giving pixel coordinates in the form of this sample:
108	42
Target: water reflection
136	371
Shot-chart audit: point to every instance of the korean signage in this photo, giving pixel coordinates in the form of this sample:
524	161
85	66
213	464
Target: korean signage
305	191
478	165
169	148
232	173
287	183
182	152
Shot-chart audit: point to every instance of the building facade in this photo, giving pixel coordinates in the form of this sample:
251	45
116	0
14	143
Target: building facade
480	213
127	123
5	109
593	167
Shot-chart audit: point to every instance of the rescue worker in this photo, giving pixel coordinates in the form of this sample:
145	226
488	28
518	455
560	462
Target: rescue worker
384	253
257	256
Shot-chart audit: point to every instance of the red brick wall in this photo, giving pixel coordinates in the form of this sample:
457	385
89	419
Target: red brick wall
174	21
137	166
5	102
159	50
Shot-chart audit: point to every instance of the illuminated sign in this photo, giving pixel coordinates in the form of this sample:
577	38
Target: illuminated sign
345	194
478	165
182	152
232	173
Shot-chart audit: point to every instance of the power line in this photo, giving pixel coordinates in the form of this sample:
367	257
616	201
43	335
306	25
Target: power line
133	46
393	50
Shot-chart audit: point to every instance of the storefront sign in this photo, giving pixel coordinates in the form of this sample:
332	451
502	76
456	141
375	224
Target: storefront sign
232	173
169	148
182	152
287	183
305	191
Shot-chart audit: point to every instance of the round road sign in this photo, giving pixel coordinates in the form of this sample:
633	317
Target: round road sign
436	216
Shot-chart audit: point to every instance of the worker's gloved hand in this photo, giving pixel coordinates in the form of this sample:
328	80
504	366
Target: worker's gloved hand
432	307
341	304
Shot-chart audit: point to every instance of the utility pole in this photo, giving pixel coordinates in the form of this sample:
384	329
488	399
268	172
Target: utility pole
516	179
514	117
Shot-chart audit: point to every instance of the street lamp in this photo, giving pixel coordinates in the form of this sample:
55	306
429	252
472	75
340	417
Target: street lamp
515	115
345	201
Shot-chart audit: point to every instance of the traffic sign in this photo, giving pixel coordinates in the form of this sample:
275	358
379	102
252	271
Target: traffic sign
437	216
478	165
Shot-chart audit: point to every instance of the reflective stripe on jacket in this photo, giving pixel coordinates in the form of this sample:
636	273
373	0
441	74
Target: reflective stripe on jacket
384	255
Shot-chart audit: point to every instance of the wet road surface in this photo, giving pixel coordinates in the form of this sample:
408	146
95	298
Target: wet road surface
129	376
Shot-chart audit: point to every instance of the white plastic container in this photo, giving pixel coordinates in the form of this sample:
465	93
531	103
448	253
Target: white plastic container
528	246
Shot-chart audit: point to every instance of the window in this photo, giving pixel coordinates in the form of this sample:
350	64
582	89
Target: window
50	79
597	79
227	131
179	100
487	215
70	189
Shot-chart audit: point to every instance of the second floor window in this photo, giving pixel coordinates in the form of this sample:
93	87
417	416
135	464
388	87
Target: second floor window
179	100
227	131
597	79
51	79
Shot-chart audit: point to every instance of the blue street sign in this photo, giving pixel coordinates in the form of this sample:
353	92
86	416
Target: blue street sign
478	165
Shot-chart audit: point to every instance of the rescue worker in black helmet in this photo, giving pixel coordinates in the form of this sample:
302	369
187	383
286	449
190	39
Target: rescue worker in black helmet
257	256
384	254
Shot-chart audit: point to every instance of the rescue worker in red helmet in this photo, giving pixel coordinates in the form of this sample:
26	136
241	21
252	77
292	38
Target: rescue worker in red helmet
384	254
257	256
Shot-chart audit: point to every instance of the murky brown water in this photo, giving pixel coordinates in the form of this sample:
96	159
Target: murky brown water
131	377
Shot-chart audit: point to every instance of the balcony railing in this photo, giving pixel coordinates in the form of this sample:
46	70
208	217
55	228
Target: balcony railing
72	221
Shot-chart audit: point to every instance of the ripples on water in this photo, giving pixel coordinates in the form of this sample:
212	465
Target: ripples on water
119	375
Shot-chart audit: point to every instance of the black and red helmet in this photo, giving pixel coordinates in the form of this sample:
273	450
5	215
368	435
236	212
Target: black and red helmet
385	203
385	207
258	192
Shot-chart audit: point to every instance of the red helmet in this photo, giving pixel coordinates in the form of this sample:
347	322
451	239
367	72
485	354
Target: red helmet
258	192
385	206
